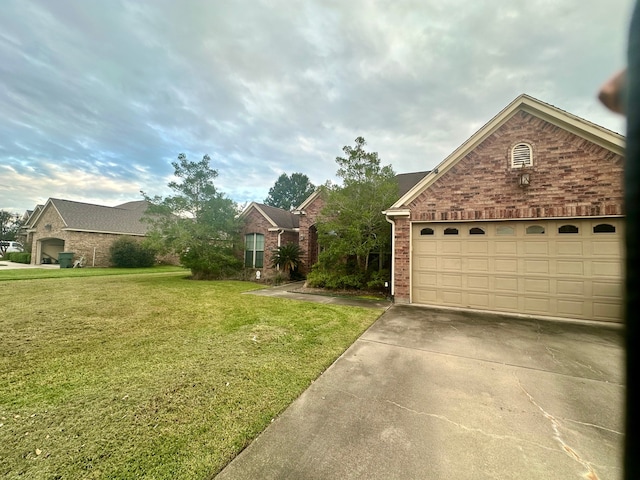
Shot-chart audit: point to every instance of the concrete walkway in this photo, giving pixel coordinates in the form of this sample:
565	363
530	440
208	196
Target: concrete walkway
7	265
292	291
431	394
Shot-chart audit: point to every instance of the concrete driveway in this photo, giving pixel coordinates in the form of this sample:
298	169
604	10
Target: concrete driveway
431	394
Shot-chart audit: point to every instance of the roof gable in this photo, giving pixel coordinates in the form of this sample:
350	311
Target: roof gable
560	118
277	217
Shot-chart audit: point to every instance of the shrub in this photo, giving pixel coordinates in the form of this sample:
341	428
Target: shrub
335	280
126	252
18	257
288	258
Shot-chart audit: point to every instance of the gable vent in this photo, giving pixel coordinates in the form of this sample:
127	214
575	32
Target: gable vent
521	156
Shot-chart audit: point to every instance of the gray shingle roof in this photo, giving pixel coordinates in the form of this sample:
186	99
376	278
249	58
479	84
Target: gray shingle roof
406	181
123	219
282	218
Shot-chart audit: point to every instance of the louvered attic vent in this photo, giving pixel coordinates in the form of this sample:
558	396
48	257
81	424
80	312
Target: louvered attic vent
521	156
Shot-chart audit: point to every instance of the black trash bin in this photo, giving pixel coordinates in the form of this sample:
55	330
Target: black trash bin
65	259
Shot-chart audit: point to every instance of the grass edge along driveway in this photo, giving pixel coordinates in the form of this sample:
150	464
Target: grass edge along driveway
154	376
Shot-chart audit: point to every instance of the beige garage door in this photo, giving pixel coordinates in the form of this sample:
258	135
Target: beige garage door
559	268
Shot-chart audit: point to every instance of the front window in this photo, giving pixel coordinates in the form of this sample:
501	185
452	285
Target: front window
254	250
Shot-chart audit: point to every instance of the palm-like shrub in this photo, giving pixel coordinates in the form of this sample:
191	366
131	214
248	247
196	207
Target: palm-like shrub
288	257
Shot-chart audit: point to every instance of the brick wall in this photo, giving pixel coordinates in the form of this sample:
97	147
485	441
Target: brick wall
308	237
570	177
256	223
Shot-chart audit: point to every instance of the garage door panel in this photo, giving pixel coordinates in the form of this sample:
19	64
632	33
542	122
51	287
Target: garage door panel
506	284
603	248
427	279
451	247
609	269
478	264
570	287
574	275
570	267
478	281
450	263
452	297
571	308
507	302
476	247
506	265
570	248
539	305
612	290
449	280
536	266
537	285
506	248
607	311
479	300
421	246
536	248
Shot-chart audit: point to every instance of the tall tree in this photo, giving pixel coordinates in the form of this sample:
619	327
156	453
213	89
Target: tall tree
351	225
289	191
9	225
198	222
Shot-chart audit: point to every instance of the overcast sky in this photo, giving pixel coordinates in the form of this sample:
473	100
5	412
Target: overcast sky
98	97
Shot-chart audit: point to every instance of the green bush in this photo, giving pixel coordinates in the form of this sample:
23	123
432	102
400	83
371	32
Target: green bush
377	280
125	252
335	280
18	257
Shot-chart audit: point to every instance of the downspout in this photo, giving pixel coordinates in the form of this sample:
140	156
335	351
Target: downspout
279	245
393	255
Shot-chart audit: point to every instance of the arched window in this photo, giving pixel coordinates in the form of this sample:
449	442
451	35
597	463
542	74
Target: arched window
604	228
451	231
254	250
476	231
568	229
426	231
521	156
535	230
505	230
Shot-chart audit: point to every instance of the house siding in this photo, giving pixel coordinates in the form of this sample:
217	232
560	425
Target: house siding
570	177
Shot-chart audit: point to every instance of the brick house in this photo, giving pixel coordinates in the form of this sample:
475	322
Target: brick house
266	228
308	213
87	230
524	217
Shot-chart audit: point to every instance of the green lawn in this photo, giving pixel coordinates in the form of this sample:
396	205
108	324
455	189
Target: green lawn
151	375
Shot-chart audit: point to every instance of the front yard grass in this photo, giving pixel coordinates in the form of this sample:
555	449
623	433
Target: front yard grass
154	376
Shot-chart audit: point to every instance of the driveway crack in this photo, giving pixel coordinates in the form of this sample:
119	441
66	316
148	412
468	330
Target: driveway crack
555	425
472	429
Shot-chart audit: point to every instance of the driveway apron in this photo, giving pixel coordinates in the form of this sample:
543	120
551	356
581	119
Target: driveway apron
433	394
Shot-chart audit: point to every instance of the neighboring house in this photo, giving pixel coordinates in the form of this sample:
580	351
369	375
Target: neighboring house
85	229
525	217
265	229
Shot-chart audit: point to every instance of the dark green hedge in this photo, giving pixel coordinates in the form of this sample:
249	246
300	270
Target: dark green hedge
18	257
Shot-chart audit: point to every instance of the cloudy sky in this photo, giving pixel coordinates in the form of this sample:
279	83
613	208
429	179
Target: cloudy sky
98	97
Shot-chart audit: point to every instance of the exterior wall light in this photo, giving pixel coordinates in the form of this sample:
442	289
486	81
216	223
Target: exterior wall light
524	179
